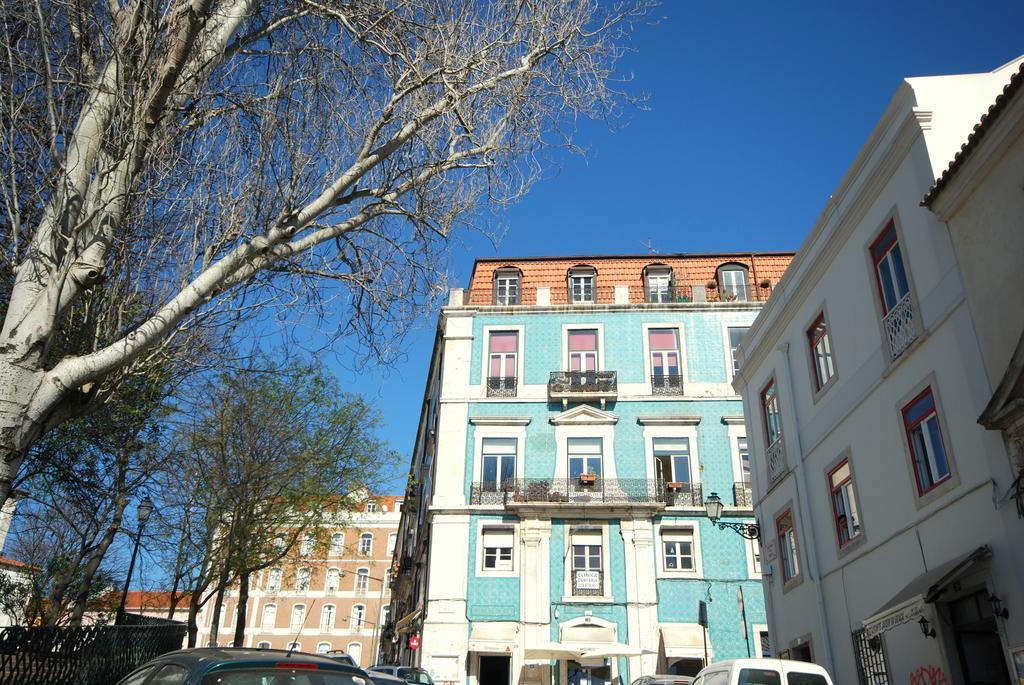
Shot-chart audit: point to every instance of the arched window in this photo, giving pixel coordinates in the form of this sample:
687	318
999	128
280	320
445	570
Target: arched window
327	618
582	284
362	580
274	580
302	579
355	650
337	545
269	616
306	546
323	647
298	616
333	580
295	646
733	282
366	544
263	645
392	540
358	618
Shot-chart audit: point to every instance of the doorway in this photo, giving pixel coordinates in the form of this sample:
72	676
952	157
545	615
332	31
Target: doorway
977	641
577	674
495	670
688	667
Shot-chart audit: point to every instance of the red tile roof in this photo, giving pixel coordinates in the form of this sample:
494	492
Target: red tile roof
14	563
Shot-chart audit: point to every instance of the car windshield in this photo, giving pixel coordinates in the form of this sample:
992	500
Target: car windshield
415	675
282	676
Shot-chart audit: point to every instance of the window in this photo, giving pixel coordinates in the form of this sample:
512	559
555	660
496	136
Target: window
736	334
498	545
392	541
269	616
587	577
333	580
298	616
498	462
385	613
371	508
581	286
366	544
584	456
306	546
788	558
503	348
672	460
759	676
764	643
362	580
771	415
323	647
659	284
263	645
273	580
921	421
732	279
844	504
821	352
665	372
327	618
754	557
171	674
337	545
744	454
355	650
890	273
358	617
295	646
506	287
302	580
583	350
138	677
677	549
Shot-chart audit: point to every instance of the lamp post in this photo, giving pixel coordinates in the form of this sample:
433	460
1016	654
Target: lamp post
376	622
714	508
142	514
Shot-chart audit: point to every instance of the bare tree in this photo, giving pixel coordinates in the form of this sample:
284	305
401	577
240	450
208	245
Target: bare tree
170	167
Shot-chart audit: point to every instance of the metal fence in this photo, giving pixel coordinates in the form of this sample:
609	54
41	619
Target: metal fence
568	490
872	665
84	655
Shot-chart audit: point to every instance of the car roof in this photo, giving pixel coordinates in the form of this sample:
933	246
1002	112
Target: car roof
237	656
788	664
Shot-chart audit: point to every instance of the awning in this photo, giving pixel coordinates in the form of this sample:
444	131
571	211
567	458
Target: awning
683	640
616	649
555	650
406	620
909	602
588	634
493	637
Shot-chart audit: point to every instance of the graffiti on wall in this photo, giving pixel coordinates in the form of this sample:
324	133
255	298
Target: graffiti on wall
929	675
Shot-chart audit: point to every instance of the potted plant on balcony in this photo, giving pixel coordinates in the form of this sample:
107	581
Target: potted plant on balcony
588	478
675	485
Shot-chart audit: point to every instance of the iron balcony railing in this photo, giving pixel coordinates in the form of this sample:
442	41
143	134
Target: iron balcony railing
569	491
587	582
900	326
684	494
776	459
601	294
742	495
501	386
670	384
583	382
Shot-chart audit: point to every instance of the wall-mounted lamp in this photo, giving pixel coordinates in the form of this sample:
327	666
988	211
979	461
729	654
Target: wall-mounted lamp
714	509
997	607
926	627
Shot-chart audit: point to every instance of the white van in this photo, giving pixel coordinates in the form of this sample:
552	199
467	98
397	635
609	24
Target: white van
763	672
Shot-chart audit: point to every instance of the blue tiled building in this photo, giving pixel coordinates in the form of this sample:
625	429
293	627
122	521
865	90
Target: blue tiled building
577	417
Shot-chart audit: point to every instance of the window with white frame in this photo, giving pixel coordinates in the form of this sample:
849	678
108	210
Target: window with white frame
927	449
677	549
581	286
585	456
392	541
732	279
659	284
385	613
844	503
664	348
498	462
587	562
506	287
770	413
306	546
890	272
820	345
323	647
273	580
371	508
672	460
754	557
337	545
295	646
366	544
333	580
498	544
764	643
302	579
327	618
358	618
503	355
788	554
362	580
355	650
263	645
736	334
744	457
269	616
583	350
298	616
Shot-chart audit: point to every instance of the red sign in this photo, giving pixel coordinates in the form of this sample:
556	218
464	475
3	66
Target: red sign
414	642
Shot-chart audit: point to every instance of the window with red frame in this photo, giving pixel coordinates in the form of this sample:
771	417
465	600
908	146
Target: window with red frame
770	411
890	273
787	546
821	352
924	435
844	503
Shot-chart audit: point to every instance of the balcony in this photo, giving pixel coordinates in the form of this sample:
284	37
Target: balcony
671	384
684	495
583	386
742	496
776	460
501	386
900	326
587	582
512	492
614	294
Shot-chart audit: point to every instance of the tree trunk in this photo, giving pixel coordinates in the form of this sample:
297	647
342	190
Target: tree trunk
81	598
193	612
243	602
218	603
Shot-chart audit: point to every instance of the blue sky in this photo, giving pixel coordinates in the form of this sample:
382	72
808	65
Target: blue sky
755	111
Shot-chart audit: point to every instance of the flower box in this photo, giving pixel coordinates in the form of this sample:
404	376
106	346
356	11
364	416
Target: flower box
588	478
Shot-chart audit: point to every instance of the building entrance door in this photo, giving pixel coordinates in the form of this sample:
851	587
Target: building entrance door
495	670
577	674
977	641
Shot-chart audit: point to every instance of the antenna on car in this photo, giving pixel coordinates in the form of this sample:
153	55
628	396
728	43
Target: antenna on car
295	640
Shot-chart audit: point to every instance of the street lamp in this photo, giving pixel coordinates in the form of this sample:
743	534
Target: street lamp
714	507
375	647
142	514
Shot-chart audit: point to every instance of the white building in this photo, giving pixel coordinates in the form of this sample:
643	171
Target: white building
882	502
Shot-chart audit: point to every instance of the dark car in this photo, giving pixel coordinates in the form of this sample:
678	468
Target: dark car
239	666
341	656
379	678
410	674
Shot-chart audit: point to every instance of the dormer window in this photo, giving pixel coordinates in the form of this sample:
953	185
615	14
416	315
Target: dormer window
582	281
658	282
733	282
506	287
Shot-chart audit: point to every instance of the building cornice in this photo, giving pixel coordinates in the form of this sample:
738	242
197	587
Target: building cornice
500	420
732	420
668	420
